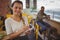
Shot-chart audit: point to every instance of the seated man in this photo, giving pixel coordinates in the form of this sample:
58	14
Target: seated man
40	16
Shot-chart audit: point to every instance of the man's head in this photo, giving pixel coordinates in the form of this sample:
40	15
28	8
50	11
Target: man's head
42	8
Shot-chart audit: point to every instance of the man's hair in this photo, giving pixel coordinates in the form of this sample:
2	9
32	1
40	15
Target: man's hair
42	7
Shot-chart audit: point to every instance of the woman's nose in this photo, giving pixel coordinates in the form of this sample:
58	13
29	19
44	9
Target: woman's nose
18	9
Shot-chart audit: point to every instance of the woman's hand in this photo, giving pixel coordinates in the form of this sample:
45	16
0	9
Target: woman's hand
27	31
24	28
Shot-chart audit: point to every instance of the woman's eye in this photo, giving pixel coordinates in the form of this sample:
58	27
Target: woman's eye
15	7
19	8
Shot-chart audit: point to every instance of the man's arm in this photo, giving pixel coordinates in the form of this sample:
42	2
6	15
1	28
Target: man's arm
46	16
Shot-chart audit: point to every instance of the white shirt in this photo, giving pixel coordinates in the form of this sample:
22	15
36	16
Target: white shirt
13	26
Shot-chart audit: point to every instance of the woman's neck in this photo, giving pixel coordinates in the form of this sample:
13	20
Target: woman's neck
16	17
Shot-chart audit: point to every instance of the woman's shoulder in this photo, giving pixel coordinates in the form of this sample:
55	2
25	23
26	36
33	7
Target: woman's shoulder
8	19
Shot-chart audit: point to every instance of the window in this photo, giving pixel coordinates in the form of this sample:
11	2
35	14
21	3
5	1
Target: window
52	8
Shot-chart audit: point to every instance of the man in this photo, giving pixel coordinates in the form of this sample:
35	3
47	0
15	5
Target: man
41	15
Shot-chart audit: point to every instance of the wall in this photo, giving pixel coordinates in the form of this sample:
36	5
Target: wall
4	7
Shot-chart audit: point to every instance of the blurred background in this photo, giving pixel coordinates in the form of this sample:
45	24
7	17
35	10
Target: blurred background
31	8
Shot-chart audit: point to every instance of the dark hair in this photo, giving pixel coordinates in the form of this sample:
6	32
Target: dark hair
16	2
42	7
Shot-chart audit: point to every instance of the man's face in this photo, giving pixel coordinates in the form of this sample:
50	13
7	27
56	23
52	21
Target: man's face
42	9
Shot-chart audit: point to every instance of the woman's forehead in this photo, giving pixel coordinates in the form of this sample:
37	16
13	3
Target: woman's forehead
17	4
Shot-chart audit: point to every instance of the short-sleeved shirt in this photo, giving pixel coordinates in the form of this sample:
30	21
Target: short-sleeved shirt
40	15
13	26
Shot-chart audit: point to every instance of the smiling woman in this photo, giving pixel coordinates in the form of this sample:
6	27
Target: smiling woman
17	24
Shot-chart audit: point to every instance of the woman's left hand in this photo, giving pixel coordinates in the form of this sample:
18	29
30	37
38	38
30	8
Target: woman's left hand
28	32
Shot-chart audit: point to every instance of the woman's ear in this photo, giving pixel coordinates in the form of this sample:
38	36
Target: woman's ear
22	7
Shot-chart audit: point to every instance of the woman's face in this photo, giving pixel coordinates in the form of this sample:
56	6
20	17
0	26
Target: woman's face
17	8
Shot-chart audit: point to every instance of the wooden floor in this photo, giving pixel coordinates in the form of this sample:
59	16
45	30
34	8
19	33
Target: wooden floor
54	24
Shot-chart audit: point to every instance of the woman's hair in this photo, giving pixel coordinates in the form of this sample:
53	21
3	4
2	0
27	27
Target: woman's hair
20	13
16	2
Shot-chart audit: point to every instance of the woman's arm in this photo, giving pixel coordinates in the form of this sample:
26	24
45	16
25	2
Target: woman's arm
15	34
19	32
27	32
12	34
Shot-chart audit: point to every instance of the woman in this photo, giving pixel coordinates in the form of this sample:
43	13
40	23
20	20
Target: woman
17	25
